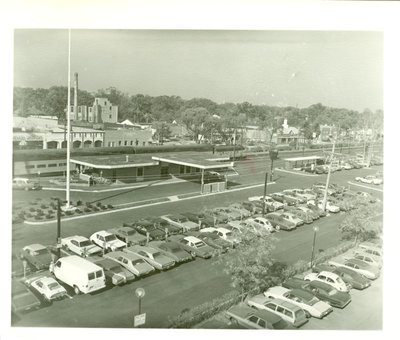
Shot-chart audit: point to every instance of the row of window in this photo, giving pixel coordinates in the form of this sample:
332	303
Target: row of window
126	143
87	134
40	166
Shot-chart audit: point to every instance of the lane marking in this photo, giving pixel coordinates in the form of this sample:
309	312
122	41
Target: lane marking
147	205
296	173
364	186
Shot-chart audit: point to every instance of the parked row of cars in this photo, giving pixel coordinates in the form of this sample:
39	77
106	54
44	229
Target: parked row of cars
315	295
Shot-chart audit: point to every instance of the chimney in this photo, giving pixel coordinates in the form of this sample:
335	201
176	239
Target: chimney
127	158
76	96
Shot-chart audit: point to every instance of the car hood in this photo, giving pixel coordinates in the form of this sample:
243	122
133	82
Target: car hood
136	238
163	260
340	297
321	306
116	243
143	268
43	259
190	225
92	249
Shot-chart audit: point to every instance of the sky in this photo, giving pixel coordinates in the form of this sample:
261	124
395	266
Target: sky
279	68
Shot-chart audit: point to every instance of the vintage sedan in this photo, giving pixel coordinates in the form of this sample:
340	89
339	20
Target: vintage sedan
321	290
211	239
282	198
36	255
370	180
255	319
255	207
300	214
288	216
288	311
194	246
299	197
181	221
115	274
329	206
223	233
47	287
201	219
25	184
270	203
129	235
164	225
80	245
313	214
367	258
22	299
144	226
153	256
172	250
131	261
230	213
262	223
330	278
315	209
242	211
301	298
279	222
305	193
107	241
370	272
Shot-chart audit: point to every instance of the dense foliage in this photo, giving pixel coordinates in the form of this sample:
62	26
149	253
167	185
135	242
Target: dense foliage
201	116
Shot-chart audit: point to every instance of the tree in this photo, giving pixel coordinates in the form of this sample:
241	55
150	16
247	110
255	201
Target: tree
250	265
199	121
163	130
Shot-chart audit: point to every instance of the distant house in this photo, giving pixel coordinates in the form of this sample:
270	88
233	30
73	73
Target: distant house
288	135
255	134
102	111
326	132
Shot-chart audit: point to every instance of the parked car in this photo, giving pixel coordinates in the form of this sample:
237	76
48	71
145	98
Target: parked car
162	224
370	180
107	241
270	203
236	226
301	298
367	258
128	235
355	164
292	218
242	211
255	319
330	278
371	249
215	216
316	209
181	221
321	169
321	290
370	272
25	184
255	207
131	261
36	255
211	239
300	214
280	223
261	222
114	273
22	299
230	214
299	197
329	206
282	198
144	226
223	233
313	214
306	194
153	256
47	287
194	246
201	219
172	250
366	196
344	204
288	311
80	245
320	189
80	274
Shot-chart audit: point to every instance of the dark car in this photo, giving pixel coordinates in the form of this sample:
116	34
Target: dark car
163	224
172	250
212	239
36	255
114	273
278	222
202	219
129	235
321	290
277	196
255	207
215	217
255	319
317	210
144	226
22	299
193	246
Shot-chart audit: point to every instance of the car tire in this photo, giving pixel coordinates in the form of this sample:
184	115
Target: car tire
277	228
233	321
76	290
308	315
193	253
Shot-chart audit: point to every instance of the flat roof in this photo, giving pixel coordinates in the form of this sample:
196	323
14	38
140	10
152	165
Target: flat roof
307	158
200	160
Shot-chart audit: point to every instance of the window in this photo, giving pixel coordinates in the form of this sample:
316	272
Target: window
41	166
131	142
109	117
52	165
271	306
288	313
139	172
330	280
126	142
99	273
91	276
119	143
262	323
109	143
253	318
30	166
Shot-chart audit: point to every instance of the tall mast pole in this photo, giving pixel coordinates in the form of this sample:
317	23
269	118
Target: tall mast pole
68	118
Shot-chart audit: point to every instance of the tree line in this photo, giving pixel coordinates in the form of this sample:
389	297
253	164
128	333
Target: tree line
201	116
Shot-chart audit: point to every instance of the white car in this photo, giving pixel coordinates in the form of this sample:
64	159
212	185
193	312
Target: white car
237	226
47	287
308	195
80	245
292	218
331	279
329	206
370	272
107	241
261	222
269	202
223	233
347	166
370	259
305	300
371	249
369	180
181	222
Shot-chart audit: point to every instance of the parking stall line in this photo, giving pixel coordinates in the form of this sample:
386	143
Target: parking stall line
364	186
296	173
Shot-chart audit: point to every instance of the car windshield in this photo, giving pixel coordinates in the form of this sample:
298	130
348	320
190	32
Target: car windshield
199	244
138	261
313	301
157	255
110	237
53	285
85	243
41	251
332	292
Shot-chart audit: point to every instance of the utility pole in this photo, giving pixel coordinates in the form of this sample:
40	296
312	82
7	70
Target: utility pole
68	120
265	191
328	177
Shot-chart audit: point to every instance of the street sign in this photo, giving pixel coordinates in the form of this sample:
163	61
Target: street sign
140	320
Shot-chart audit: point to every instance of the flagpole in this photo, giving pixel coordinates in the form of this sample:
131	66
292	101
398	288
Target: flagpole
68	119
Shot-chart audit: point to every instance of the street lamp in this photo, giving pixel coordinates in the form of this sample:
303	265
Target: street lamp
140	293
328	177
140	319
316	229
58	225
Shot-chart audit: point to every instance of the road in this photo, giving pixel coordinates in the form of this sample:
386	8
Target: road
188	285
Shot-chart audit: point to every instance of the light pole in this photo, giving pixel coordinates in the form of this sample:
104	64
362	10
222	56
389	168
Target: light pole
140	319
328	177
58	225
265	191
316	229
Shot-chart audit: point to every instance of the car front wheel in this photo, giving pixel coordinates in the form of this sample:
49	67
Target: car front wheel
76	290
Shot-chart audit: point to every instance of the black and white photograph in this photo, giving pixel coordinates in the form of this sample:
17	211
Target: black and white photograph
196	178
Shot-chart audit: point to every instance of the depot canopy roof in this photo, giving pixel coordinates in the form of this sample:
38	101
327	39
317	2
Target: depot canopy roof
114	161
200	161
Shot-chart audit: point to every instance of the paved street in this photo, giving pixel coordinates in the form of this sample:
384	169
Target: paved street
188	285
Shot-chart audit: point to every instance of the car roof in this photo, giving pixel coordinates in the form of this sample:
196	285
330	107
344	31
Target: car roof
77	238
302	293
192	239
35	247
129	256
320	284
102	233
222	229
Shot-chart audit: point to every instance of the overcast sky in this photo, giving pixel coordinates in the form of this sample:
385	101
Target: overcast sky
296	68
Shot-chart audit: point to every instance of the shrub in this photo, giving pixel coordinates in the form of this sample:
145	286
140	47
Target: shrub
38	217
39	212
32	209
44	206
110	206
95	209
49	216
87	210
69	212
79	203
88	204
98	204
78	211
103	207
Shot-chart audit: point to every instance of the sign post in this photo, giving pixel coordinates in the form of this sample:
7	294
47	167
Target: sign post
140	319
